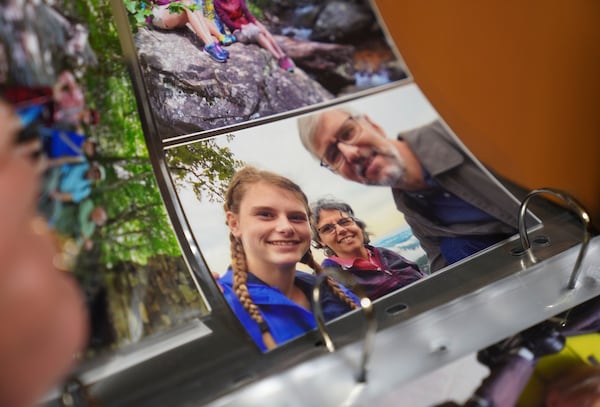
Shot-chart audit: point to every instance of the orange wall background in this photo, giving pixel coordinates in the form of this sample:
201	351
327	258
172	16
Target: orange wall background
518	81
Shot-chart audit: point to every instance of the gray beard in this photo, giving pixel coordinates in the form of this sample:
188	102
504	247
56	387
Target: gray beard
395	171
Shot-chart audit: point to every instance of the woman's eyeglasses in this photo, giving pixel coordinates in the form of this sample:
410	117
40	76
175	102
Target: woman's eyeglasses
329	228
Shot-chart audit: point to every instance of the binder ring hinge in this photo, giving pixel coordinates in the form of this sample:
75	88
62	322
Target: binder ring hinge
369	339
577	208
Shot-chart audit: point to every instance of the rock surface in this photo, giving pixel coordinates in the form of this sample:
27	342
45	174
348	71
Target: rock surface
189	92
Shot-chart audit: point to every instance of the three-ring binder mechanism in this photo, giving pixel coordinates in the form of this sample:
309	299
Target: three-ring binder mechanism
577	208
525	249
494	295
369	338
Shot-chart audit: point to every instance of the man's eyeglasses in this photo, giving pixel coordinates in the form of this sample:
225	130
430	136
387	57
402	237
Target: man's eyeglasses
329	228
348	133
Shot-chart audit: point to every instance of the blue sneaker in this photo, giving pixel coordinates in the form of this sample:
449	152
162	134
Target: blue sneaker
216	52
222	50
228	39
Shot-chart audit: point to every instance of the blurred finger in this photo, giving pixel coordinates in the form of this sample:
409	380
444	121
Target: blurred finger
19	184
47	321
9	127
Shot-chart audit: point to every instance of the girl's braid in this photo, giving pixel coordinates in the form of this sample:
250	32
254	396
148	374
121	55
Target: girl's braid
309	260
240	277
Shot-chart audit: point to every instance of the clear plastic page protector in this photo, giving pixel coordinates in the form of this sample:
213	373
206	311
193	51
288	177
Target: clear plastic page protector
216	117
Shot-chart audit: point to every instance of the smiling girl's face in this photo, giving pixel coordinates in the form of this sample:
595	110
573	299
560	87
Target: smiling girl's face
272	225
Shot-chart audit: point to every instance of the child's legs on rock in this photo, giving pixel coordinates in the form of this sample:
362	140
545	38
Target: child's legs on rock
270	46
198	25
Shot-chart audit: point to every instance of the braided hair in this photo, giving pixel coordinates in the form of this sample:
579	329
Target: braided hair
238	187
309	260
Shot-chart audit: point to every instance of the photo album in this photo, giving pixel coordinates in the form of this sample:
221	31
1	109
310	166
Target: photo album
205	160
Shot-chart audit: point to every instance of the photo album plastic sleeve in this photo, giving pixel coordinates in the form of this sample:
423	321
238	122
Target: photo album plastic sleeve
316	94
319	95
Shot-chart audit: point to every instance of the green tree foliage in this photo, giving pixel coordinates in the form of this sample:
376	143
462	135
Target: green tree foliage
135	263
138	226
141	10
257	7
204	166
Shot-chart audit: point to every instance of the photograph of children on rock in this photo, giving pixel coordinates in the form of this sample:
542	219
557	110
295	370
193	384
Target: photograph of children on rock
208	64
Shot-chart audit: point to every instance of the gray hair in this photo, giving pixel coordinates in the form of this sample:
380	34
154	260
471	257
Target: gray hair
309	124
332	204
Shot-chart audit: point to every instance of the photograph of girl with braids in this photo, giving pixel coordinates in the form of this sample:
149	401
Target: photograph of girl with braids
267	215
248	248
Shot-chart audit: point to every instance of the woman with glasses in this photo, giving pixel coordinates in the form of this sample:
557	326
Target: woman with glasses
374	271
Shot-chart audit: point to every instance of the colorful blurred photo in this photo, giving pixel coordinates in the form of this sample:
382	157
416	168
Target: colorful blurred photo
62	71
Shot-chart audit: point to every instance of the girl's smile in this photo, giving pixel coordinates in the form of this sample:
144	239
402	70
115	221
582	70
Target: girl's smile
272	225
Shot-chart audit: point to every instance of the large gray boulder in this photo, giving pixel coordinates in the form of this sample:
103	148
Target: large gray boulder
341	21
189	92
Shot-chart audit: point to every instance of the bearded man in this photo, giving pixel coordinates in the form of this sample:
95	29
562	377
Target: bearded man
453	207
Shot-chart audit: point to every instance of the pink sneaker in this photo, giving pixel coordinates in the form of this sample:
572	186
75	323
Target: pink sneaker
286	63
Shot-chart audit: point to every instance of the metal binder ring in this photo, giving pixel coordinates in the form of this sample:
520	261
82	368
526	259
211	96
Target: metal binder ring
577	208
369	340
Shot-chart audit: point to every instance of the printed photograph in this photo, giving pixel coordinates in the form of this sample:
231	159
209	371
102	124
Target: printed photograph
209	64
61	70
379	189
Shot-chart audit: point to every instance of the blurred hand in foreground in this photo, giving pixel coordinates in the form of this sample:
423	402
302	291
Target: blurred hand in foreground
43	320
